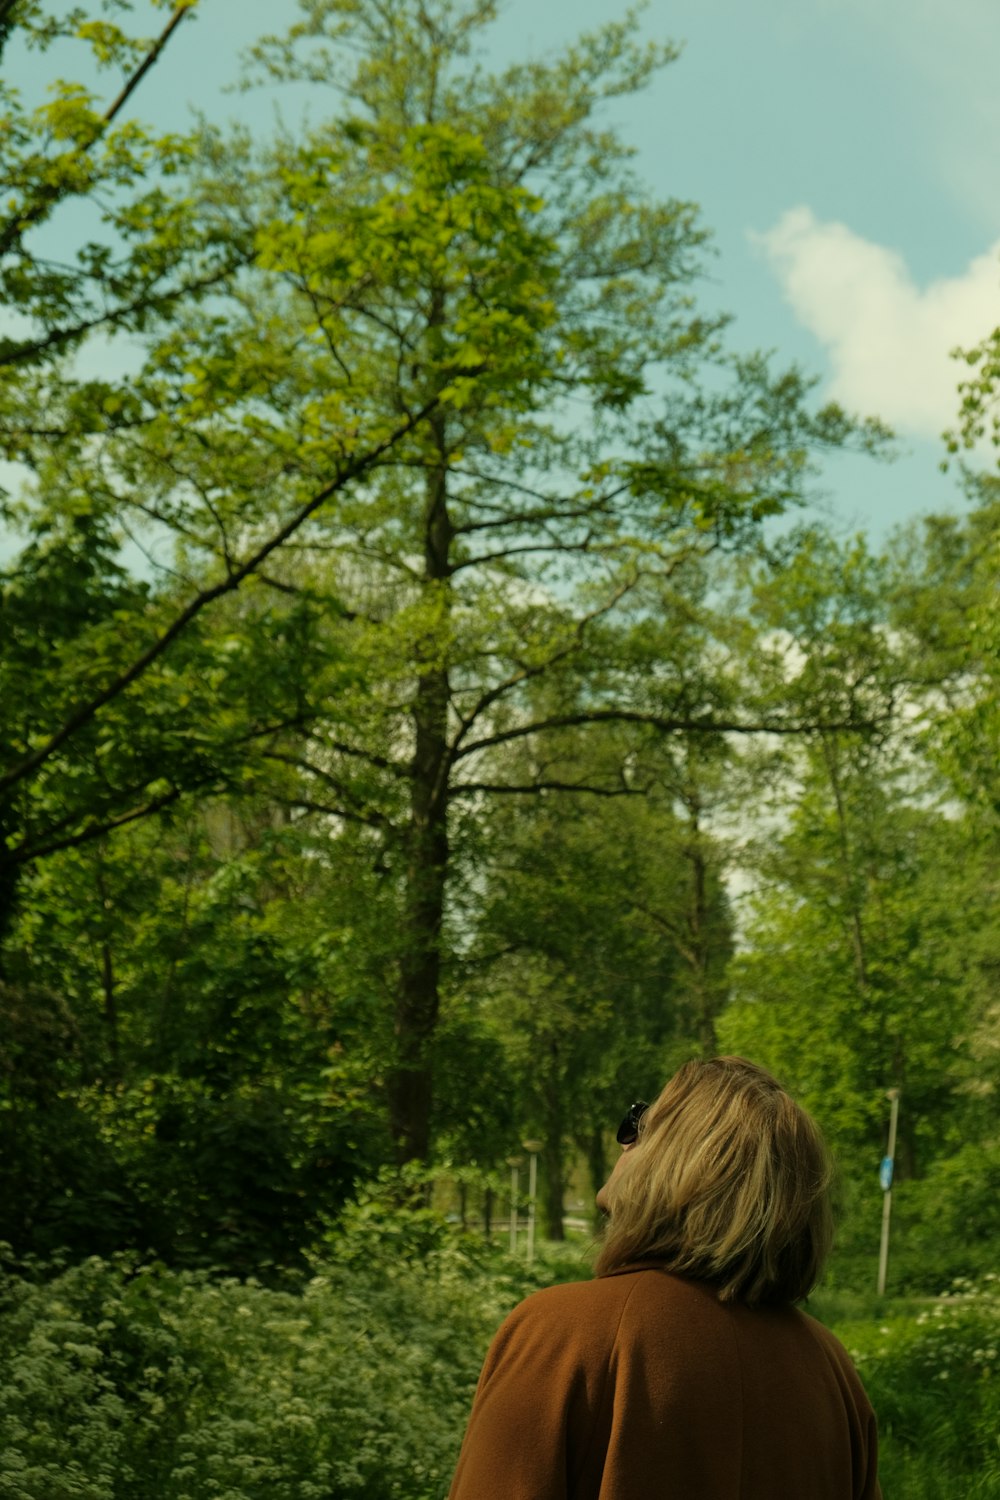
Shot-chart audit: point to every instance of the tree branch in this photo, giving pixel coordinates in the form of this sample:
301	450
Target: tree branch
583	545
672	929
664	723
492	695
299	763
151	57
551	514
15	227
26	854
349	815
14	354
232	581
532	789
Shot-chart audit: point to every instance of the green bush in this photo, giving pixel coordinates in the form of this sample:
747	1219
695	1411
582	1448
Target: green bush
124	1381
947	1224
944	1225
932	1371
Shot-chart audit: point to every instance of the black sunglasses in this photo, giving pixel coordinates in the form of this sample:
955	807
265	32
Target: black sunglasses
628	1130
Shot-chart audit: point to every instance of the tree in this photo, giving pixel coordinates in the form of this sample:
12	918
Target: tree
593	961
119	692
944	610
457	438
856	969
190	1059
489	580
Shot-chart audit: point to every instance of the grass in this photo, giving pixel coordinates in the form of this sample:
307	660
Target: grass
931	1366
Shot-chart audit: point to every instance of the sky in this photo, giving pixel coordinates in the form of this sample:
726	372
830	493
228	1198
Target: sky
843	154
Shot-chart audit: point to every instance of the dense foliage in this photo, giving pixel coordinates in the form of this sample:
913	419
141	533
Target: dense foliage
931	1370
128	1380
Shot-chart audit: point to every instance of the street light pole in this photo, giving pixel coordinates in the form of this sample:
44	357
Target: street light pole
885	1176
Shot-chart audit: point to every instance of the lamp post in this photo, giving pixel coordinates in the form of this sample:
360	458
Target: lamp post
533	1148
885	1177
514	1162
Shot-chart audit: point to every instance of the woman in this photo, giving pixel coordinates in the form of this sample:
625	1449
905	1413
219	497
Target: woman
683	1369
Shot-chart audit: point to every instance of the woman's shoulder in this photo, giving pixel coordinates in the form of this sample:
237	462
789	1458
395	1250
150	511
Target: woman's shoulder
645	1301
604	1297
573	1321
828	1342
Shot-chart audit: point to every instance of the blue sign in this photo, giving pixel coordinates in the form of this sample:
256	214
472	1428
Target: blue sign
885	1173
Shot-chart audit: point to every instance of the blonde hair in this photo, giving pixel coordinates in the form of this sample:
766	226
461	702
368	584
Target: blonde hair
729	1183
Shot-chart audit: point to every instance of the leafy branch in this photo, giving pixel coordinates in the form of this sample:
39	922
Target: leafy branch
237	575
48	196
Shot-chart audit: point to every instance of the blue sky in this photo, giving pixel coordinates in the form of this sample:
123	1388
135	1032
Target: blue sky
844	156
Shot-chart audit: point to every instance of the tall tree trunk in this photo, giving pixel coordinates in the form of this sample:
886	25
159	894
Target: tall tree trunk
8	885
417	999
9	873
555	1186
110	1003
597	1167
108	979
553	1156
697	945
427	846
853	904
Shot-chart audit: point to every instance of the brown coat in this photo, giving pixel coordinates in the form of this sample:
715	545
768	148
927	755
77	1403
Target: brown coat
643	1386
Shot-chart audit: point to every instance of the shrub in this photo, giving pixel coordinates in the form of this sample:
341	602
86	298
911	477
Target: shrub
934	1379
127	1381
948	1223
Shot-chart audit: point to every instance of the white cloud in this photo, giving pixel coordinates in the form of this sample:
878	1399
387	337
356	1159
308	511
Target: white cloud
888	340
